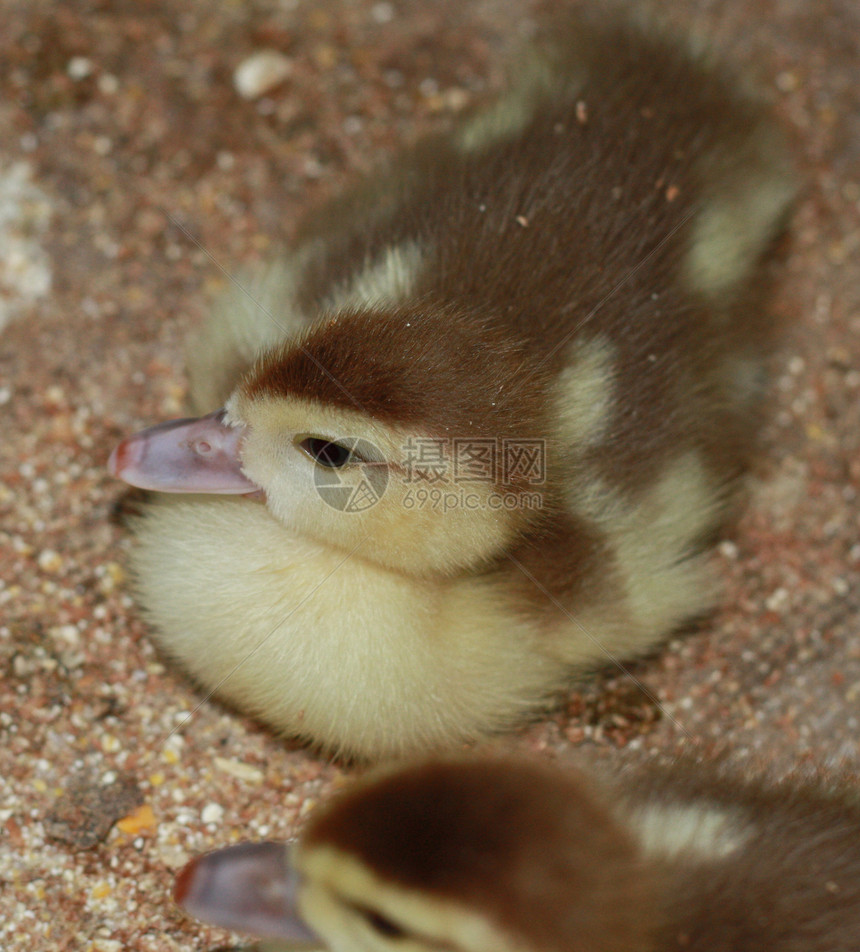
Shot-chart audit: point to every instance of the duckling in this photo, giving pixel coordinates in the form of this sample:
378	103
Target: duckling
477	434
485	854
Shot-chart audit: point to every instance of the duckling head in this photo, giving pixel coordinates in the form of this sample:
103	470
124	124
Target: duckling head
349	435
472	856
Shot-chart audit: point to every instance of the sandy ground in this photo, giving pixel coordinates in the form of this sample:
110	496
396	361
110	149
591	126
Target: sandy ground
132	177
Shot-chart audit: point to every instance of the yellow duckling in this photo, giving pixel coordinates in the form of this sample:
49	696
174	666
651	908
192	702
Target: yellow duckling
490	413
491	855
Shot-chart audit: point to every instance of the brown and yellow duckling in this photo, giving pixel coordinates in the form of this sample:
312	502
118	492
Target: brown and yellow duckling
489	855
490	414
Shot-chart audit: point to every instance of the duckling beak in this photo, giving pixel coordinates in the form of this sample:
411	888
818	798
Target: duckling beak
251	888
184	456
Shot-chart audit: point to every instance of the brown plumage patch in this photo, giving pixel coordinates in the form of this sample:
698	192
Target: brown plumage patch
562	562
424	366
794	885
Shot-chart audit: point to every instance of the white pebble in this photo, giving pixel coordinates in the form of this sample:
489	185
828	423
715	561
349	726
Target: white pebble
102	145
238	769
212	813
79	67
841	586
110	744
108	84
382	12
67	633
107	945
777	600
49	561
261	72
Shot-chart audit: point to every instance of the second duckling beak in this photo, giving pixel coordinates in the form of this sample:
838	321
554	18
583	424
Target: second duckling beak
198	455
250	887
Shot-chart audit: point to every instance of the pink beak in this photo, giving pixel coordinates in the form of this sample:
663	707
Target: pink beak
184	456
250	887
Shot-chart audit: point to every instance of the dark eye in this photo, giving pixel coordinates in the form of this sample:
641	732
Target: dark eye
325	452
383	926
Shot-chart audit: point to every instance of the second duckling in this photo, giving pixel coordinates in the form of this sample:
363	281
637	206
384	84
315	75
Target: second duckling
501	855
490	414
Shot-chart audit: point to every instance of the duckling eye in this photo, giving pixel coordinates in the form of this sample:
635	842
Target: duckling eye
381	925
326	452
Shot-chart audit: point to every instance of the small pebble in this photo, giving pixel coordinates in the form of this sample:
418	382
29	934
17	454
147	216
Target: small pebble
787	81
110	744
107	945
260	73
79	67
237	769
108	84
212	813
49	561
382	12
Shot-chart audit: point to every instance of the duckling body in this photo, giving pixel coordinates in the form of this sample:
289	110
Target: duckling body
496	404
488	855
